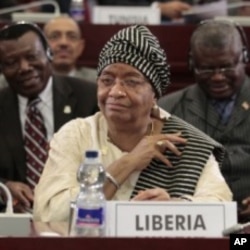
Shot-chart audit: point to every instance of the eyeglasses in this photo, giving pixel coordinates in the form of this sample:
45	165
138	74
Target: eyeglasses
219	70
211	72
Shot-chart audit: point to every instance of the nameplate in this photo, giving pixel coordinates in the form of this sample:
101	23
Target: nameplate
169	219
126	15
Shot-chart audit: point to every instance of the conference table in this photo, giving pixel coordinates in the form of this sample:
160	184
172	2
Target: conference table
41	238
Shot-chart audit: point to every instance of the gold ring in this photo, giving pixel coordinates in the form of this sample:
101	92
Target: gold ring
159	143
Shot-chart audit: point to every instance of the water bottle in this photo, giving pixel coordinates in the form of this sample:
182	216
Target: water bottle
90	203
77	10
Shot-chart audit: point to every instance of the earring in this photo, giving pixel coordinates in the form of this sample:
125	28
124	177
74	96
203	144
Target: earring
155	111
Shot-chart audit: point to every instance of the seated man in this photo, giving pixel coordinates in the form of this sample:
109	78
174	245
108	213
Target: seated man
66	42
219	103
146	151
34	105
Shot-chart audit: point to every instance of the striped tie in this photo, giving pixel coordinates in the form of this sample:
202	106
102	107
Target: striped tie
35	143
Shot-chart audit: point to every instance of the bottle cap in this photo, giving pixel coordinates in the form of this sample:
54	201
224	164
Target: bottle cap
91	154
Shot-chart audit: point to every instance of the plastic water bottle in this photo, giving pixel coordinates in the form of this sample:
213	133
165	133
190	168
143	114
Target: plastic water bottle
90	202
77	10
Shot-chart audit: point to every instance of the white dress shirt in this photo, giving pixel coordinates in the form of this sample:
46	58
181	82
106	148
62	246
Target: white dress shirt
45	107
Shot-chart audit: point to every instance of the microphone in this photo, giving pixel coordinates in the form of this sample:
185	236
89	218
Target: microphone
32	16
235	229
12	224
31	5
9	206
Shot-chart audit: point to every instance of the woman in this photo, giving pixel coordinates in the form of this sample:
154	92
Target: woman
148	154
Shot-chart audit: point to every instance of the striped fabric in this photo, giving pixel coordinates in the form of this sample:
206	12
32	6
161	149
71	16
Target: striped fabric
36	145
182	178
138	47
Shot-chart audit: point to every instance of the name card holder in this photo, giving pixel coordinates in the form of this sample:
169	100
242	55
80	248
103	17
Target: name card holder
126	15
169	219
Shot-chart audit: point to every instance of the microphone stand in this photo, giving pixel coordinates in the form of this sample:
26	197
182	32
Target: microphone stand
31	5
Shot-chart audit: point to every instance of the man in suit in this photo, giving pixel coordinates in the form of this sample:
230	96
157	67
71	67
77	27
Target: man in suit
219	104
66	42
25	62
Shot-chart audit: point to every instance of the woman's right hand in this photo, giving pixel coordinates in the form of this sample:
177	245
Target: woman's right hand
154	146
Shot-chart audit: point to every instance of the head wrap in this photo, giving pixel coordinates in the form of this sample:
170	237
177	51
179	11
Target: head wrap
138	47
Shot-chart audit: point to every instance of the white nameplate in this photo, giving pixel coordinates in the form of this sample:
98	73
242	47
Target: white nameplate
169	219
126	15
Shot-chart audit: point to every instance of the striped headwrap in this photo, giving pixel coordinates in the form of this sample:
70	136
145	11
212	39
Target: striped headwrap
138	47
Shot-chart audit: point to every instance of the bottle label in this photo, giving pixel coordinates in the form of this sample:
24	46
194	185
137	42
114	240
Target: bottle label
77	14
90	217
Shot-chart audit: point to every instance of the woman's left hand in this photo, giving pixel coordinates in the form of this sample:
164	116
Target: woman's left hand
154	194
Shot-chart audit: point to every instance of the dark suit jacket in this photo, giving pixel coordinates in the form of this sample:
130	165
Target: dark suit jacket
192	105
79	95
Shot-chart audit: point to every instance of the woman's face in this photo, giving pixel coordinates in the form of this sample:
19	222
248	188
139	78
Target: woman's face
124	94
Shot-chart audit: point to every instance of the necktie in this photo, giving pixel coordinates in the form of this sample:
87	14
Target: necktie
35	143
224	108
